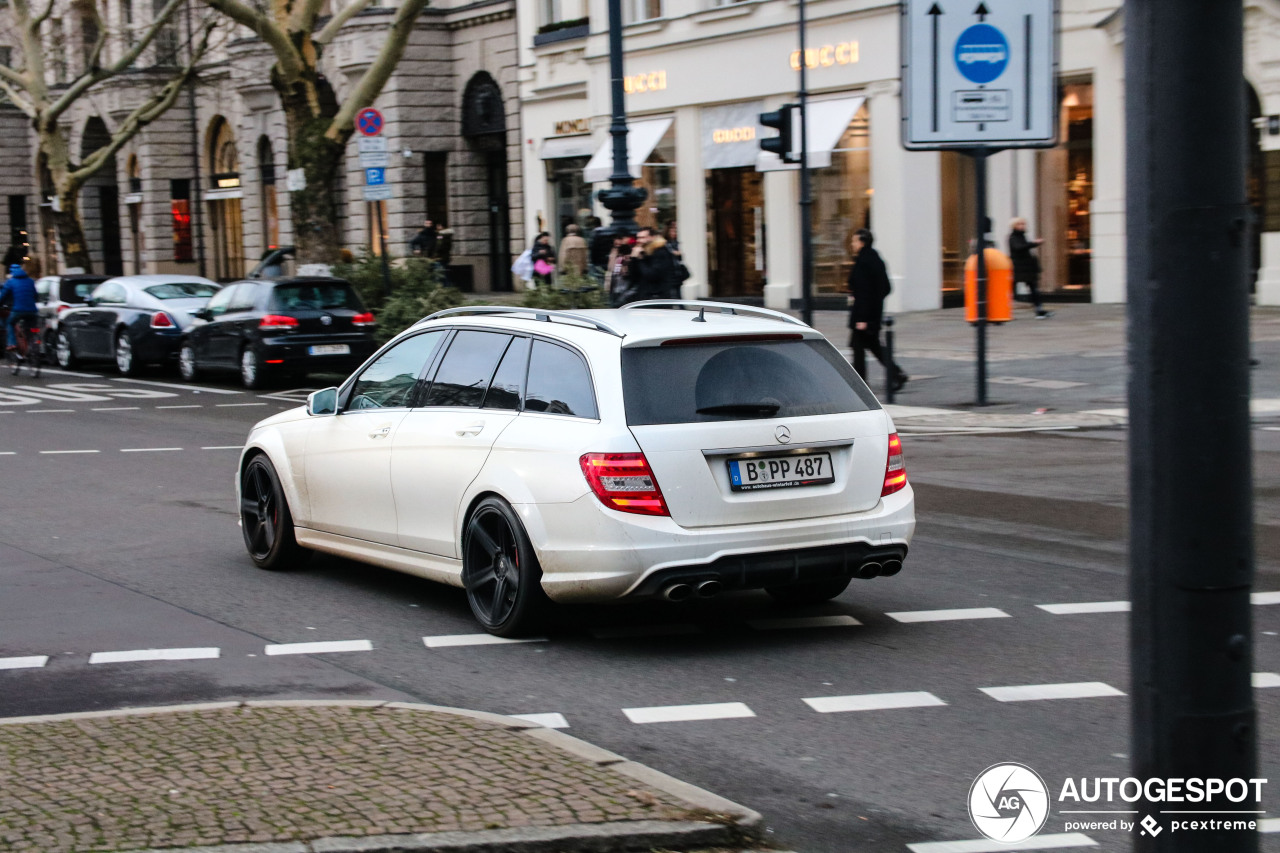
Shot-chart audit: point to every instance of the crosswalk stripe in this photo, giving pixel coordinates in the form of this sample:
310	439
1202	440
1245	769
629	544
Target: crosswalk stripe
319	648
948	615
1058	841
872	702
1086	607
29	662
1033	692
155	654
445	641
551	721
1262	680
688	713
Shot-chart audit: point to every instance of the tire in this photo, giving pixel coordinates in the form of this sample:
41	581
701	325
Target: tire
126	362
813	592
250	369
265	519
187	363
500	571
64	352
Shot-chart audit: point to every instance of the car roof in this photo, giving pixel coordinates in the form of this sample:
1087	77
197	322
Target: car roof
293	279
160	278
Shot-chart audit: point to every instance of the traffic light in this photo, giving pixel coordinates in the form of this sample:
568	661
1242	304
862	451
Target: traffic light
780	144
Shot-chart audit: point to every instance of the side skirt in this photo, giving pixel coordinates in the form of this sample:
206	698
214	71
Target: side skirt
429	566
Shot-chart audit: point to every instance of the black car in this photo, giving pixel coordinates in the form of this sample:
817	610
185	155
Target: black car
286	326
133	320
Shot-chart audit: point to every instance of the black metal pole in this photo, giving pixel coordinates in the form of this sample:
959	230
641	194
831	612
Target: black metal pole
197	219
622	197
806	188
382	233
1191	514
980	202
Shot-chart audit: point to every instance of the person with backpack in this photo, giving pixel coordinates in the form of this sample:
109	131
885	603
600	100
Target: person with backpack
868	286
19	292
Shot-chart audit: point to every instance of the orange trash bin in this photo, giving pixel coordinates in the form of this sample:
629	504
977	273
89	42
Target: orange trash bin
999	287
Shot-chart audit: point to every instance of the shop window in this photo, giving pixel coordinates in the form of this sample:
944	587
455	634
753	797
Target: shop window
841	205
570	194
634	11
658	176
180	207
1066	196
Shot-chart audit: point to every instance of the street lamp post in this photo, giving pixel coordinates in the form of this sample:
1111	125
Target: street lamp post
622	197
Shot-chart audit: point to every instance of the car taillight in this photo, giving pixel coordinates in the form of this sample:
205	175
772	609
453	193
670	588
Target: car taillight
62	308
161	320
365	319
624	481
278	321
895	469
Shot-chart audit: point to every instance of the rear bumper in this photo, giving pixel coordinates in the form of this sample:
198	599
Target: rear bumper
590	553
285	354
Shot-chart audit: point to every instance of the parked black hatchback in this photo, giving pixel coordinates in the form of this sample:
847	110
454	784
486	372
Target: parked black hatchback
287	326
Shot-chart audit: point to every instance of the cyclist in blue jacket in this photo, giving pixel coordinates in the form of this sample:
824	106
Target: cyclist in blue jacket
20	291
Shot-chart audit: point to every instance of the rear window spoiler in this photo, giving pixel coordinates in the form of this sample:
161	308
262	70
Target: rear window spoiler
719	307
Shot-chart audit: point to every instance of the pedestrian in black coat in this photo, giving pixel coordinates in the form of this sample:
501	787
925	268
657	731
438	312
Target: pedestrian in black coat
1026	266
868	287
654	270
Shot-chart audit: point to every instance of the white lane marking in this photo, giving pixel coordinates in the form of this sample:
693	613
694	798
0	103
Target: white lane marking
1265	598
982	845
803	622
1086	607
154	654
445	641
224	447
234	405
31	662
1050	384
116	409
948	615
84	375
626	631
188	388
1269	824
551	721
50	411
1273	429
687	713
9	453
872	702
1266	679
56	452
147	449
320	648
1033	692
190	406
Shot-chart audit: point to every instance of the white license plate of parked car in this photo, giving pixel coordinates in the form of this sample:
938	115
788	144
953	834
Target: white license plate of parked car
777	472
330	349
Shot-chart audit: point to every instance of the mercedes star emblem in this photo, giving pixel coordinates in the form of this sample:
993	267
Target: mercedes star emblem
326	320
782	434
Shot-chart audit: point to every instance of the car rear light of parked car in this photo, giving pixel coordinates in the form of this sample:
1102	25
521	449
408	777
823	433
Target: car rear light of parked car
161	320
895	469
624	481
278	322
365	319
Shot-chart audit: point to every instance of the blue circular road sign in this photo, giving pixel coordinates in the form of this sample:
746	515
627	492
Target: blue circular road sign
369	121
982	53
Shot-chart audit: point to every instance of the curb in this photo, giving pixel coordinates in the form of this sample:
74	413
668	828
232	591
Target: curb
725	822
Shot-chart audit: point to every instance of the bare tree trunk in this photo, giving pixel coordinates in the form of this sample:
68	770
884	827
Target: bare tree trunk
71	233
314	208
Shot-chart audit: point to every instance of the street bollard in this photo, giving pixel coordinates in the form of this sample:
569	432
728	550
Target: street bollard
888	358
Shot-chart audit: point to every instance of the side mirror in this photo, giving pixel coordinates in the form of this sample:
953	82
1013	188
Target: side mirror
323	402
202	314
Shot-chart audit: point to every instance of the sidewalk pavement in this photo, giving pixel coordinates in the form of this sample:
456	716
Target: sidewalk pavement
306	777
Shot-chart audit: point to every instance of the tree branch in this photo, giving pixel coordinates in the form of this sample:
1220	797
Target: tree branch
377	74
335	23
277	39
303	17
19	100
43	16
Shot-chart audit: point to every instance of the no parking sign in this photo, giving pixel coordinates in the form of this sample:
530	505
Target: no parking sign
369	121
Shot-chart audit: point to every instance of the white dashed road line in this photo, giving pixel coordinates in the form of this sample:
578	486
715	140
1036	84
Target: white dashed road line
1269	825
624	632
62	452
319	648
803	622
237	405
50	411
872	702
9	453
445	641
688	713
190	406
148	449
188	388
551	721
1265	598
1033	692
1086	607
224	447
154	654
116	409
30	662
1058	841
948	615
1266	679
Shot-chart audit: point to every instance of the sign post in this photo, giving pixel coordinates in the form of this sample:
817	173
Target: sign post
374	161
979	81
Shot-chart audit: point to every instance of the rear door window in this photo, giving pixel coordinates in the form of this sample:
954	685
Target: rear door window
467	368
217	306
559	382
246	296
388	383
507	387
730	381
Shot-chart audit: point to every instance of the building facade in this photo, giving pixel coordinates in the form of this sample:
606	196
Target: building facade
699	72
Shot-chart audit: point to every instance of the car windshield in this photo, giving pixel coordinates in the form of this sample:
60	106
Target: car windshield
77	291
317	296
182	290
739	381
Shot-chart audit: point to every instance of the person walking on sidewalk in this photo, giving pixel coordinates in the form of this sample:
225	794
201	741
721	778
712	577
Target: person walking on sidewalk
544	259
655	272
1026	266
423	244
573	252
868	287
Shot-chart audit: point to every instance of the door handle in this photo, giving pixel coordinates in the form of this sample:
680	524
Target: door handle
381	432
471	429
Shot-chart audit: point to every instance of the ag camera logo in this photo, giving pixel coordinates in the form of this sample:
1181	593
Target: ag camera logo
1009	802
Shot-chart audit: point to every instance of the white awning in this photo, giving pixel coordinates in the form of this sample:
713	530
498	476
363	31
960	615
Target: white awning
642	138
567	146
827	122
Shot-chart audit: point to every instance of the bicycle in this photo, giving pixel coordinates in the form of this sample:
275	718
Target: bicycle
29	351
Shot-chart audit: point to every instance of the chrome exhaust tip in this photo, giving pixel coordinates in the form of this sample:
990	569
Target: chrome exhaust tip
678	592
706	589
890	567
869	569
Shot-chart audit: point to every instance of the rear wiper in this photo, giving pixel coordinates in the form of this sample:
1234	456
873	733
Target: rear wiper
759	409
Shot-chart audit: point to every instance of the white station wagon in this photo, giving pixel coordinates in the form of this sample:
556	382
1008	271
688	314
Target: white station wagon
667	449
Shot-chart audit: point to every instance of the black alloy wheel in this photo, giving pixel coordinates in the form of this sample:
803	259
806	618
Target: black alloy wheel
812	592
187	362
250	369
126	363
265	519
500	571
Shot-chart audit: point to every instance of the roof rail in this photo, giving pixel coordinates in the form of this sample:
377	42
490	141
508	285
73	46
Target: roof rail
720	307
540	314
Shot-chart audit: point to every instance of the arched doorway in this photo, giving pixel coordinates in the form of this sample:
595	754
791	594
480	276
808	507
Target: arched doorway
100	202
484	126
269	205
224	196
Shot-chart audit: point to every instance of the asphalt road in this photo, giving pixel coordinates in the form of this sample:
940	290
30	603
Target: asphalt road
119	534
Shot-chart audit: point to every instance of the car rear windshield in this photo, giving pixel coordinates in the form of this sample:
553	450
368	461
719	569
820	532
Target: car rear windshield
182	290
316	296
78	291
733	381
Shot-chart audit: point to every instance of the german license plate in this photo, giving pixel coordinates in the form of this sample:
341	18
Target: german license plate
780	472
330	349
